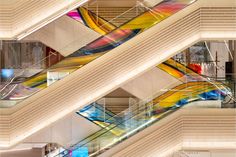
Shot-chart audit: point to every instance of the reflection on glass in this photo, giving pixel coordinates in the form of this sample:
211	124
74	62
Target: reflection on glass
7	73
91	20
194	84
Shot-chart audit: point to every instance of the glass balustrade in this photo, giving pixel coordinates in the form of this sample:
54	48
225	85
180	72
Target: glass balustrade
135	119
191	86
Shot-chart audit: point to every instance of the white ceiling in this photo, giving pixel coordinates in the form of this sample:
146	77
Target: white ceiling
19	17
8	2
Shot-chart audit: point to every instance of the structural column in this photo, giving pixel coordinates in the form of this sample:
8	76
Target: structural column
1	58
232	47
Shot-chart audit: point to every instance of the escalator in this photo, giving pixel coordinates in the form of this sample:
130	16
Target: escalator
66	36
117	128
99	47
95	112
131	121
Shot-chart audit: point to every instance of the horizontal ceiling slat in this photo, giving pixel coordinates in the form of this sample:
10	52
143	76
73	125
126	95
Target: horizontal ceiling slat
21	15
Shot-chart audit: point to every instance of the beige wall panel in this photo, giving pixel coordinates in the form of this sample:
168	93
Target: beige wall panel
68	131
65	35
151	84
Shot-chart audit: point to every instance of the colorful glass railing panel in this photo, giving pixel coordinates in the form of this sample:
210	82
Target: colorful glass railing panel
177	96
91	20
127	31
98	114
182	73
